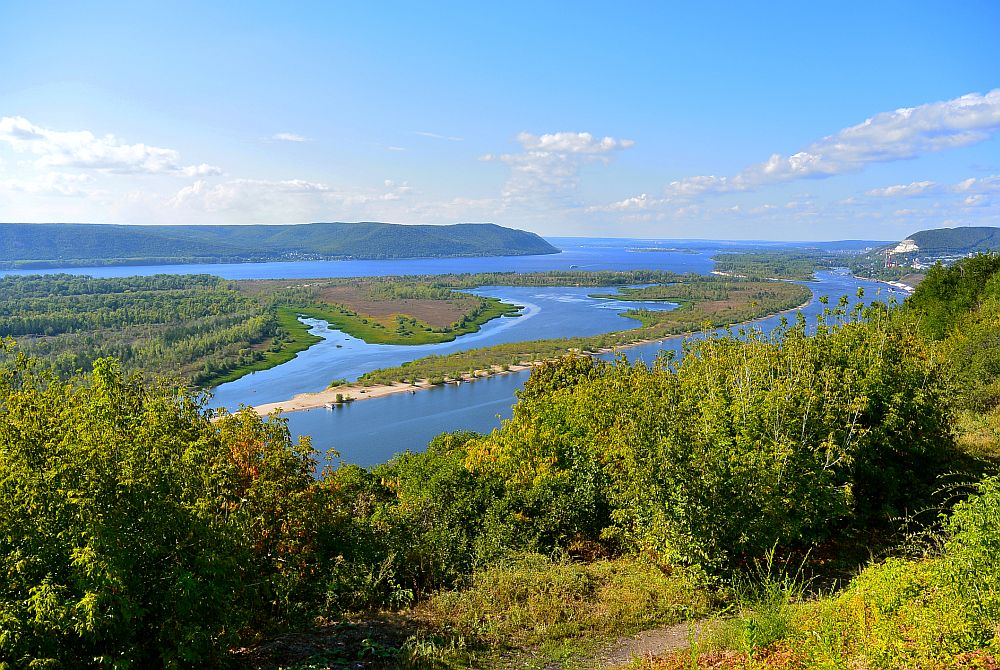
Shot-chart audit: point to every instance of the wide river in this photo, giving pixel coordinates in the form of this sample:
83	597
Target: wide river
372	431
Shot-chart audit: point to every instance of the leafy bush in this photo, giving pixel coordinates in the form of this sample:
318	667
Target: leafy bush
713	459
134	533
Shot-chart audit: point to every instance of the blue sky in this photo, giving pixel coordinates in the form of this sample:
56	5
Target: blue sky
671	120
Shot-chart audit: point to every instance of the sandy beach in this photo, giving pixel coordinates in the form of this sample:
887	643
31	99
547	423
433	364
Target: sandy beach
358	392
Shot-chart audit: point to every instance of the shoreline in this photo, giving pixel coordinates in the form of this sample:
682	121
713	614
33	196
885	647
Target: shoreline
356	392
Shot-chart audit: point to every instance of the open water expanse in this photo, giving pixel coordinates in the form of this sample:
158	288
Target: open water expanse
372	431
577	254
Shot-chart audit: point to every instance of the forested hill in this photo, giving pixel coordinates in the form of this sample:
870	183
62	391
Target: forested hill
66	244
957	240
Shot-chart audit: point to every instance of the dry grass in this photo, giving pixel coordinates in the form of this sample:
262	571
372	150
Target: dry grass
435	313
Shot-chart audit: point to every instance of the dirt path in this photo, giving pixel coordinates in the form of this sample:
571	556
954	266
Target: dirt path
655	642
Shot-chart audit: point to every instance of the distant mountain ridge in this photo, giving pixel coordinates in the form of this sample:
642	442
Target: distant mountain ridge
29	245
951	240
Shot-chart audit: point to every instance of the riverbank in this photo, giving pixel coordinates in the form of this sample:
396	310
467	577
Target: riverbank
349	393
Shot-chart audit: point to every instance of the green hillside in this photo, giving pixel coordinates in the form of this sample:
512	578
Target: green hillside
66	244
957	240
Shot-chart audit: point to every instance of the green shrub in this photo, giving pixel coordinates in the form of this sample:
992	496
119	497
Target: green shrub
713	459
134	533
528	599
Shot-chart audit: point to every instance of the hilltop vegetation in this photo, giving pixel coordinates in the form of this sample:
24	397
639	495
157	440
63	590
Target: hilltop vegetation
24	245
135	532
961	240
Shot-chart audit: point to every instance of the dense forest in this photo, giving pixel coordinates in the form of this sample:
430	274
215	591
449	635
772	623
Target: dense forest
187	327
203	330
741	478
783	264
27	245
960	240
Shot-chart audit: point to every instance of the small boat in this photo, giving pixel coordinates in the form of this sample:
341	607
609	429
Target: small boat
328	405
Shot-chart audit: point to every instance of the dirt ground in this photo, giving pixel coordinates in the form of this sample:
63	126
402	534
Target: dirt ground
436	313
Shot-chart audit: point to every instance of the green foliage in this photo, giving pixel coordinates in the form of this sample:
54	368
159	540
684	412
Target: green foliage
938	612
528	599
188	327
946	294
64	245
740	445
135	533
797	264
764	602
959	306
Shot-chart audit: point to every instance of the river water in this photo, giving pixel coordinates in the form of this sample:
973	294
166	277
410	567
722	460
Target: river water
547	312
577	253
372	431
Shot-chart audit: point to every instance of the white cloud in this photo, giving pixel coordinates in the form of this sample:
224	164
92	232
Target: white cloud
289	137
978	189
911	189
982	184
638	202
83	149
436	136
202	170
549	166
889	136
571	143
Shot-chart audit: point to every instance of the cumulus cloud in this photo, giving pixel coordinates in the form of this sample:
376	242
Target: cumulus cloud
83	149
976	189
572	143
898	190
889	136
288	137
982	184
548	167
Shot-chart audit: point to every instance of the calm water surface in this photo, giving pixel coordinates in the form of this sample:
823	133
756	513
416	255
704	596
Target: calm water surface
577	253
372	431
